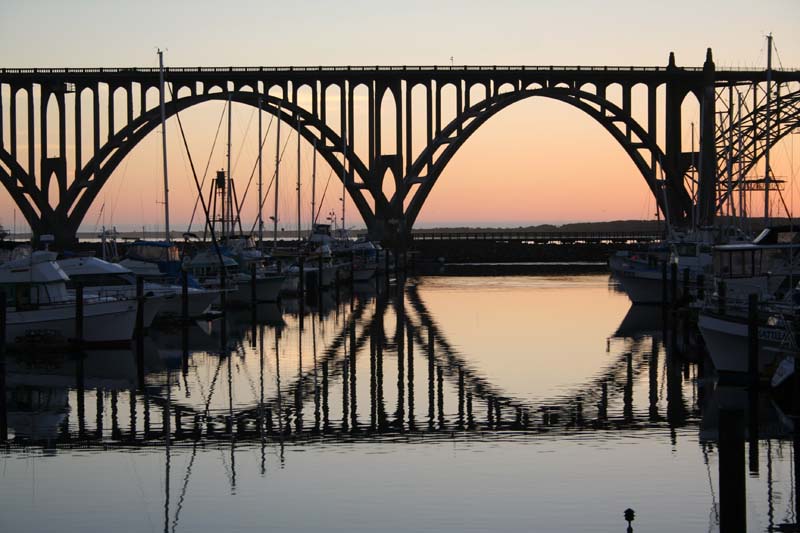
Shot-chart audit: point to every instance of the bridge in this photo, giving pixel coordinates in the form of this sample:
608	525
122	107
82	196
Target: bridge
42	114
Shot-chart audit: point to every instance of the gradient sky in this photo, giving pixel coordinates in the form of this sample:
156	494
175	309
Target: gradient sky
537	161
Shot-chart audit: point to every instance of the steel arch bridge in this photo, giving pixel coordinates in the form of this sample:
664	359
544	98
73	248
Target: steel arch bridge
42	118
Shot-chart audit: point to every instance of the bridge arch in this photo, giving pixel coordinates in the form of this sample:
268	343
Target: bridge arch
429	165
79	196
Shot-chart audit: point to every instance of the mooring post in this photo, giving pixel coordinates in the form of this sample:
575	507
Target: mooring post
752	339
701	287
686	284
139	333
673	284
301	283
185	296
732	488
664	283
253	284
352	268
79	314
338	272
319	281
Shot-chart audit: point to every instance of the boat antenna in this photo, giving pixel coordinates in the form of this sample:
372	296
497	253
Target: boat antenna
277	177
227	207
344	177
260	179
298	177
163	140
314	185
767	179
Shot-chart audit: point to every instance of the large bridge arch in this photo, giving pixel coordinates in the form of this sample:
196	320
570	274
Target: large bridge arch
632	137
89	181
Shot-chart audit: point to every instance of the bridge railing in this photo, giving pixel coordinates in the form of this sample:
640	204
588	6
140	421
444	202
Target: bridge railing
539	236
364	68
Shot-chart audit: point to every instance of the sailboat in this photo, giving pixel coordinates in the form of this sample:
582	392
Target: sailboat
243	261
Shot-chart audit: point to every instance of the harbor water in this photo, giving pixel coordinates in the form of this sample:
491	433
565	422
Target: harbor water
440	403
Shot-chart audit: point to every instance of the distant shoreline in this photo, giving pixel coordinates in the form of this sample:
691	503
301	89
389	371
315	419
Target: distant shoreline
607	226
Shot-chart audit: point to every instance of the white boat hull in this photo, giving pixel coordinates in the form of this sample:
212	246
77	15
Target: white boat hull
268	289
727	343
641	287
103	322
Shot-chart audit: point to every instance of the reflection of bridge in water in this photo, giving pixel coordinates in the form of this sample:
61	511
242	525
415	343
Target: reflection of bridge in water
323	400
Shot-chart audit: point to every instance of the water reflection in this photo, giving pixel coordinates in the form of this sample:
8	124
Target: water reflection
380	366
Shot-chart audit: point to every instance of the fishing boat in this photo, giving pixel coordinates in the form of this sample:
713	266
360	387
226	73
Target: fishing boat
763	268
40	308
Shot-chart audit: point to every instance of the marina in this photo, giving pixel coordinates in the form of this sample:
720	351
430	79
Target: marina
396	386
450	267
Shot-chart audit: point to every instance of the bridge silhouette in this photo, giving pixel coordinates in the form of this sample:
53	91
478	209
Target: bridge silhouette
388	181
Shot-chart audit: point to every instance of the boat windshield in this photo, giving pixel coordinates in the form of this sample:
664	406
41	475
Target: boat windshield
100	280
746	263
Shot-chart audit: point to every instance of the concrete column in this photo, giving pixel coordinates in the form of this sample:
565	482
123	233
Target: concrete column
708	152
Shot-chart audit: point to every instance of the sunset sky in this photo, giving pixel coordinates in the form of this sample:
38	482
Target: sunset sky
537	161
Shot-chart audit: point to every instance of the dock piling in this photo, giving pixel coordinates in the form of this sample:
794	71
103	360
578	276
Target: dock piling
79	314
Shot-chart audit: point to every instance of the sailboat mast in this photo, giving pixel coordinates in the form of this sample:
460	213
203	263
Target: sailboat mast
260	180
227	208
314	187
344	182
163	140
298	177
277	176
768	132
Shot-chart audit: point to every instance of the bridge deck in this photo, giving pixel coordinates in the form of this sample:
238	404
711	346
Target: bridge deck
542	237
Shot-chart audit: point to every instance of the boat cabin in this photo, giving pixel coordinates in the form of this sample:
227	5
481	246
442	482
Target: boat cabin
33	281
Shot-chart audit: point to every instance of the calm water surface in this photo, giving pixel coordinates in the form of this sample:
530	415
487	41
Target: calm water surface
451	404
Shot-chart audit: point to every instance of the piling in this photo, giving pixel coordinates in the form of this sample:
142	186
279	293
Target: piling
352	268
185	296
732	488
253	298
140	331
673	284
752	429
79	314
319	278
685	289
752	339
664	283
301	283
337	281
